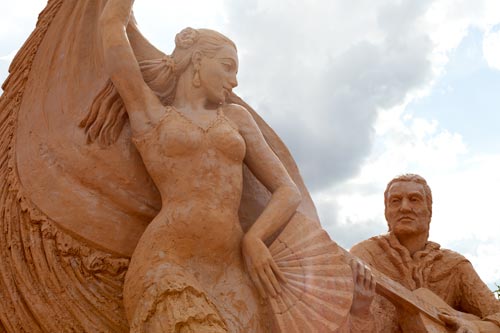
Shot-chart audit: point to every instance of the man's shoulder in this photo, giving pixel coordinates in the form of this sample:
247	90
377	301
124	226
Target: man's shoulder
448	255
371	241
369	247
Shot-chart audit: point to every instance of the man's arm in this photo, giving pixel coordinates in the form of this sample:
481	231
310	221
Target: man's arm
478	299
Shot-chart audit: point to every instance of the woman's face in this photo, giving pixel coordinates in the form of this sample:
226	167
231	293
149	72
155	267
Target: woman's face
218	74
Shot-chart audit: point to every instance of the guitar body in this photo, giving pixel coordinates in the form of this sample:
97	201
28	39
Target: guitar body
420	323
413	321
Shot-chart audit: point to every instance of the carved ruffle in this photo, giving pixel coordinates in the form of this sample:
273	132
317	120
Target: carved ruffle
178	309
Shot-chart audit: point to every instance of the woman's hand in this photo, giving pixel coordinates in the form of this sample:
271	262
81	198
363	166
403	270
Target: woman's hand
459	324
261	266
364	288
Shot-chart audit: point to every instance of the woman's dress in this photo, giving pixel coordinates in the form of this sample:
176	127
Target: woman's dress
187	269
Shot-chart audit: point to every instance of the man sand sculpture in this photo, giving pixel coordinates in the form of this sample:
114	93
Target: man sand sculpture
407	256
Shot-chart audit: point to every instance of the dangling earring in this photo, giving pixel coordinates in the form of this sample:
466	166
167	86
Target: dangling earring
196	79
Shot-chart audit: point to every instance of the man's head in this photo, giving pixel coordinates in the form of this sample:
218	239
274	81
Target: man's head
408	205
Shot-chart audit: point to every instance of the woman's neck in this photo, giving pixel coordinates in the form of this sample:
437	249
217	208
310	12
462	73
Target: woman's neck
189	97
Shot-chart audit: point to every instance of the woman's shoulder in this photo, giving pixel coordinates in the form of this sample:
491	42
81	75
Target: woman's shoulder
235	109
238	114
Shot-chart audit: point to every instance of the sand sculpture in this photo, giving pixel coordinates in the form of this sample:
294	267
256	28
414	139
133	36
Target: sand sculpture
122	219
422	286
140	194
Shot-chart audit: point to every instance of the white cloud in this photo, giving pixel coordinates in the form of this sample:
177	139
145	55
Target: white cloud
468	199
18	18
466	212
491	48
405	143
465	190
8	57
464	183
319	75
485	261
160	20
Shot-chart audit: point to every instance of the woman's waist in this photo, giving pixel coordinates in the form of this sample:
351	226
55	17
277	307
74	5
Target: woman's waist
204	204
200	199
199	218
184	235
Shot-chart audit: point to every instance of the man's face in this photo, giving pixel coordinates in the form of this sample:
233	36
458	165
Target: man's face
406	210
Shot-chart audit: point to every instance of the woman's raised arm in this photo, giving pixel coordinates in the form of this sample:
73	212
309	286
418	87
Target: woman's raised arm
143	106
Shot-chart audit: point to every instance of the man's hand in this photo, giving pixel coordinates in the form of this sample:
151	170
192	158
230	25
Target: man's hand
364	288
459	324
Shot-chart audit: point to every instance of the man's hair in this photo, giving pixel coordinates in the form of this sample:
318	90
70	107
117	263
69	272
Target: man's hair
410	177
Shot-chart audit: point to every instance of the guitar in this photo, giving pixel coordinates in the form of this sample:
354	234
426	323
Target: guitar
419	309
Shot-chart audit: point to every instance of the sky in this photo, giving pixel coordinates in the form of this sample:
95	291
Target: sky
360	91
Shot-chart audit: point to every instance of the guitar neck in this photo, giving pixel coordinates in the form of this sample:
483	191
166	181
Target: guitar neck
401	296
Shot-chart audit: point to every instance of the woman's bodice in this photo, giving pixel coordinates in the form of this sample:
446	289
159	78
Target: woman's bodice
198	171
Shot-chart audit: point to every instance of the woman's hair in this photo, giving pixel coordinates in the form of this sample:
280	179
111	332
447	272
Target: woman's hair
107	115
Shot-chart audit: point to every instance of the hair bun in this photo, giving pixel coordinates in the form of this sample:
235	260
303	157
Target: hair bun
186	38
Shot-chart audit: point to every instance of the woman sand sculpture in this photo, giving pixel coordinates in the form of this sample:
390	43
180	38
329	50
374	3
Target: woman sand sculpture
193	268
194	151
